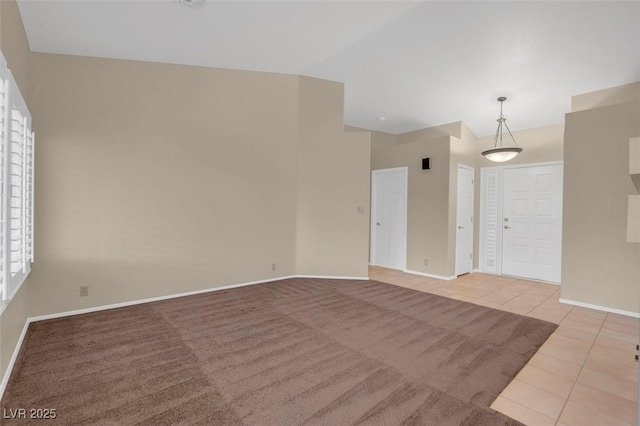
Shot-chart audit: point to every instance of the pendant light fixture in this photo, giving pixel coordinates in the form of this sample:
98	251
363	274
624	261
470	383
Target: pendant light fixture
500	153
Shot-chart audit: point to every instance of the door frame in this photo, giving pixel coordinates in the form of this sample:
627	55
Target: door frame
372	233
482	256
473	179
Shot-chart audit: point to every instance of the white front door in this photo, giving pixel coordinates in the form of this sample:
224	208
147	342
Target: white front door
464	230
532	222
389	217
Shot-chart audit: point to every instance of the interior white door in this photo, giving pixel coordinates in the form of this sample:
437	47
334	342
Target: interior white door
532	222
389	217
464	231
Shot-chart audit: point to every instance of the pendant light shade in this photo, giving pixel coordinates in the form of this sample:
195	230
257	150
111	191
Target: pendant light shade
500	153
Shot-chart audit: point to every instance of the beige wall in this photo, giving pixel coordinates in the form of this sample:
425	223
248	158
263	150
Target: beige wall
609	96
428	195
333	181
443	130
158	179
12	322
427	214
13	43
598	265
378	139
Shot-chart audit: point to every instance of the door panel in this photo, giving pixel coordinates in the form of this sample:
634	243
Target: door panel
389	218
532	222
464	228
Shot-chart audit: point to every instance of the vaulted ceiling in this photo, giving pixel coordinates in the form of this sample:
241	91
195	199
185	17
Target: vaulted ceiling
417	64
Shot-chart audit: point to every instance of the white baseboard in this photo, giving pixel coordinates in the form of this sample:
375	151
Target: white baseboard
14	357
600	308
189	293
152	299
519	278
424	274
331	277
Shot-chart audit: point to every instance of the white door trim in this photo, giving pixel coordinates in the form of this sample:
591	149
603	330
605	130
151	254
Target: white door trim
484	172
372	233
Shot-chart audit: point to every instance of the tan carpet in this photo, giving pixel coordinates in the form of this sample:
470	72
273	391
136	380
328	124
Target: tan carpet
292	352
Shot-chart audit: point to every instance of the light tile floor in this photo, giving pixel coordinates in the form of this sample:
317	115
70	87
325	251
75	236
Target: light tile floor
585	373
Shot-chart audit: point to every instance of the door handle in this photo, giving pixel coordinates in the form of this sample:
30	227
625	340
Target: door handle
378	224
460	227
507	227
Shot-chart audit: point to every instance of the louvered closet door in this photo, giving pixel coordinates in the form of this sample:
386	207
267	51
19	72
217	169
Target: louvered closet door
490	211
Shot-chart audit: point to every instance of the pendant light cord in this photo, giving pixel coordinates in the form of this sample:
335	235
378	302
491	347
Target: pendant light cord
501	121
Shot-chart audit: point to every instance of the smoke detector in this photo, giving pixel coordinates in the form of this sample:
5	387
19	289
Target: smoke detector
191	3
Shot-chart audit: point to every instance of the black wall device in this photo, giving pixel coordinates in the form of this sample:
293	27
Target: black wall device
426	164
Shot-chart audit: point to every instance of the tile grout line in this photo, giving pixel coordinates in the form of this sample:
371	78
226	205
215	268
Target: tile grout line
523	406
510	300
564	316
581	369
538	305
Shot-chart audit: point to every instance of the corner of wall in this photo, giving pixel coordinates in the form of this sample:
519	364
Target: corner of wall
14	43
1	26
428	221
332	204
443	130
13	321
605	97
599	267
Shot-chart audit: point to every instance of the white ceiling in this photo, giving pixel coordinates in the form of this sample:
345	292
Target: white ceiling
418	64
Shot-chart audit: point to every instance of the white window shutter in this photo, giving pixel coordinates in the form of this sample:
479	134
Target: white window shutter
30	184
4	130
17	188
17	141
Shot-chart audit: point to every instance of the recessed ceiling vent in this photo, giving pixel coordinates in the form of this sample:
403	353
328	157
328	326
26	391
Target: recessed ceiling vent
191	3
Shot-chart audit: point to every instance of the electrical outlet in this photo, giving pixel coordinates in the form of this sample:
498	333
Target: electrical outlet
84	290
273	266
426	262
